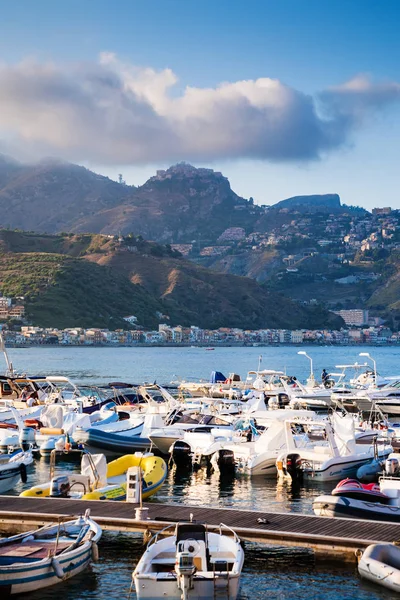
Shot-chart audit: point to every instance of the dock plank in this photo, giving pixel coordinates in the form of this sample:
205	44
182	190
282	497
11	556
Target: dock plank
320	533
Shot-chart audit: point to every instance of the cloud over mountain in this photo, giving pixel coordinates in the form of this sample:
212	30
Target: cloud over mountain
111	112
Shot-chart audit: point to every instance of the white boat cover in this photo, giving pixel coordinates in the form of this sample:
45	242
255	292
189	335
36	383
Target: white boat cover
344	432
100	463
52	416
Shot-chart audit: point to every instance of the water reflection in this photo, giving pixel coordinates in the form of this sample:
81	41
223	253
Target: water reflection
268	572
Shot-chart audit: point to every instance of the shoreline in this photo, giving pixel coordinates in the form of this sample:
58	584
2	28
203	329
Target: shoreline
208	347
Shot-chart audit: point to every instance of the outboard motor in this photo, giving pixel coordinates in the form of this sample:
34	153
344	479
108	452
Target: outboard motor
391	466
59	487
283	400
26	437
226	461
293	467
181	453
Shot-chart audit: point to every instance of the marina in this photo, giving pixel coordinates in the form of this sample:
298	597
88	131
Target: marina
271	515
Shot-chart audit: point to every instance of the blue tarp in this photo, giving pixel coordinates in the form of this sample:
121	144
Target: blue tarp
217	377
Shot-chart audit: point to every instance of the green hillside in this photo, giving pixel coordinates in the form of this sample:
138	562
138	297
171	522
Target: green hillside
94	281
67	292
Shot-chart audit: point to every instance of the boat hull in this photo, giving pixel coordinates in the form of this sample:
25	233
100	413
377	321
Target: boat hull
380	563
339	506
31	577
164	585
9	479
335	472
111	444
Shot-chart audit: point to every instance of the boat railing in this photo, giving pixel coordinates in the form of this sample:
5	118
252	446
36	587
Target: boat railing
96	475
222	526
162	532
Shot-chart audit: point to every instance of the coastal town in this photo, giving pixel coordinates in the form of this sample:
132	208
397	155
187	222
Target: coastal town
195	336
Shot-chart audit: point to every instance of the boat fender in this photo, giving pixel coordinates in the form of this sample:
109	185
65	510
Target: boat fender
22	470
51	431
57	568
95	552
358	554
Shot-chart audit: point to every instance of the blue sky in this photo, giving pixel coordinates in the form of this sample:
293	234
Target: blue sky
308	46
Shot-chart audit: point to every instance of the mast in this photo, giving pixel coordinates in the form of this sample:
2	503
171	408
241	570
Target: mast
10	368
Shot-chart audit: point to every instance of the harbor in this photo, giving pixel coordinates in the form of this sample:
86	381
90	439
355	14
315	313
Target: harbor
273	517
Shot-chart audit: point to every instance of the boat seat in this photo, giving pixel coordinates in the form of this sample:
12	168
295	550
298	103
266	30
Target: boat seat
164	561
222	558
166	555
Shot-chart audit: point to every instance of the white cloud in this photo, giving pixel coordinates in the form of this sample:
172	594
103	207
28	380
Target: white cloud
111	112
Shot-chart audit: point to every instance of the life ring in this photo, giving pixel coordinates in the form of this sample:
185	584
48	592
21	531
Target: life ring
228	380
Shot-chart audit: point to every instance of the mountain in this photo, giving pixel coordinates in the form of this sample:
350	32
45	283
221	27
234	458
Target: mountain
326	203
179	205
52	196
95	280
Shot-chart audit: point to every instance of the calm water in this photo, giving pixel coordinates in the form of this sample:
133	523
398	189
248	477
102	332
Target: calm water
268	573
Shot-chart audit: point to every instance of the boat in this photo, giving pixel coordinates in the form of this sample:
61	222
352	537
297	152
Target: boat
47	556
352	488
336	457
101	481
380	563
193	563
13	468
354	500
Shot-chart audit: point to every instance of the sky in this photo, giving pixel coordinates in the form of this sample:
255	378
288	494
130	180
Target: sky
285	97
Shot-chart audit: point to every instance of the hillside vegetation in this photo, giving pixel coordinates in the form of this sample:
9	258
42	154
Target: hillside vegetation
94	281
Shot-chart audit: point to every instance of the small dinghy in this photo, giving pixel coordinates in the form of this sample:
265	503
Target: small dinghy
38	559
380	563
192	564
101	481
13	468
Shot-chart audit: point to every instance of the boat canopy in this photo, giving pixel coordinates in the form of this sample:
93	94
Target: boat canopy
217	377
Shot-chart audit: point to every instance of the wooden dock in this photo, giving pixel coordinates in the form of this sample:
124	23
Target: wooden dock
329	538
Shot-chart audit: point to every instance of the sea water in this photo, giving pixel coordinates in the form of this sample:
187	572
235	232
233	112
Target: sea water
269	572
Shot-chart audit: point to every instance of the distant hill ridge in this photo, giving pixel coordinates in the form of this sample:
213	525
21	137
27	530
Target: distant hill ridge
179	204
329	203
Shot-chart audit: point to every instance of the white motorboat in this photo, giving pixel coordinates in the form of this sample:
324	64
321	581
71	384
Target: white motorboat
337	457
192	564
380	563
13	468
42	558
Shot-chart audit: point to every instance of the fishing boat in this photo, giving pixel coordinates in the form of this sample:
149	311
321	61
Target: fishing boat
191	564
380	563
13	468
101	481
42	558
